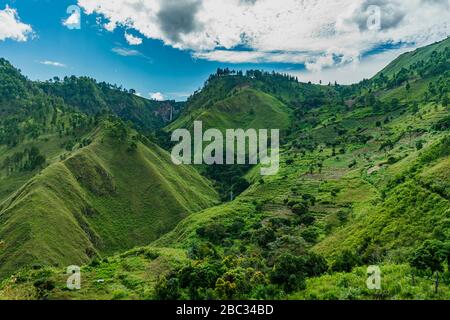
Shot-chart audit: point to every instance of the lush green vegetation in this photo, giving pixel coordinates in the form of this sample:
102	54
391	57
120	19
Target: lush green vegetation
90	97
364	180
114	194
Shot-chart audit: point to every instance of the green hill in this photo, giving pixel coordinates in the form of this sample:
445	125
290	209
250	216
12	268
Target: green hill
20	97
255	99
114	194
419	56
247	108
91	97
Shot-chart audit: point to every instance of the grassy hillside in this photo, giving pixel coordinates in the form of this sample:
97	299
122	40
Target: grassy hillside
363	180
256	98
398	284
130	275
112	195
247	108
406	60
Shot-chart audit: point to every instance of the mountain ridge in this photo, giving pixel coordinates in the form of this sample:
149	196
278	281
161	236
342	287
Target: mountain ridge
79	193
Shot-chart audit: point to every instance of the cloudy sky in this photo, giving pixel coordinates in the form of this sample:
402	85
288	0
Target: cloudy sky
166	48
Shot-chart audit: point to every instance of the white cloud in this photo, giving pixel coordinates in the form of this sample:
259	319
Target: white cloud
348	73
11	27
126	52
319	33
53	63
158	96
132	40
251	56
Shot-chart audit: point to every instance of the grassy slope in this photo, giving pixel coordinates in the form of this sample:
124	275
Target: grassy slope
100	200
409	214
50	144
396	284
409	58
130	275
247	108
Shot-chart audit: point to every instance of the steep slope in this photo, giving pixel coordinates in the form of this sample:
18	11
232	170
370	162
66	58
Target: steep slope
232	101
91	97
114	194
246	108
256	98
20	97
408	59
13	87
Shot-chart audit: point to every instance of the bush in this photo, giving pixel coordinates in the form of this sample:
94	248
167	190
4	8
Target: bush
43	287
310	234
342	215
289	272
307	219
167	289
345	262
264	236
310	198
213	232
419	145
300	209
315	265
392	160
132	147
199	251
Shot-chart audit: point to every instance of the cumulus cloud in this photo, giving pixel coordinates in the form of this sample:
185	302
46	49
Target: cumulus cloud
53	63
133	40
11	27
351	72
177	18
158	96
317	33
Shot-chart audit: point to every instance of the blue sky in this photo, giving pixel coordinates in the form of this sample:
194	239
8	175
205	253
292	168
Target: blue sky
178	46
90	52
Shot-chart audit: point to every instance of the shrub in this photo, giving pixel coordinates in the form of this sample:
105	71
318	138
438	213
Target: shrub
213	232
307	219
315	265
167	289
419	145
201	251
310	234
289	272
300	209
264	236
345	262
